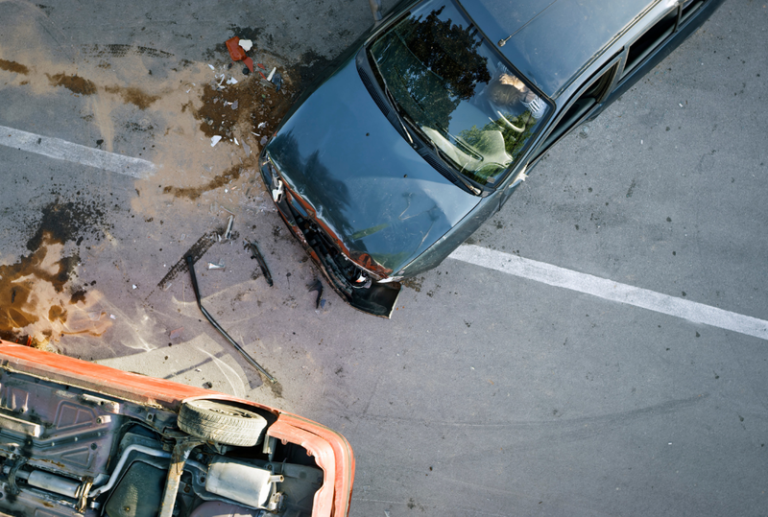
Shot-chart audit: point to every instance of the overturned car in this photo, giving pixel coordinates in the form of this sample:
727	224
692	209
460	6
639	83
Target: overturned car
80	439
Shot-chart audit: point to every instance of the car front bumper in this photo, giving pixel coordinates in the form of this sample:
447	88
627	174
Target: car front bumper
343	275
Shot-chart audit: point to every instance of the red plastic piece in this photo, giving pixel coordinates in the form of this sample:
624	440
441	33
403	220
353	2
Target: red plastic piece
237	53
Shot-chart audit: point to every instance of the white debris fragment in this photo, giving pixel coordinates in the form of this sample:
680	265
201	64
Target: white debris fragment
234	105
236	142
112	316
246	44
680	104
271	74
231	80
211	67
134	286
261	126
215	140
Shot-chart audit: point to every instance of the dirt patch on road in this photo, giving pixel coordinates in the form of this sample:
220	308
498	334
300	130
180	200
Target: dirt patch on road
132	95
13	66
73	83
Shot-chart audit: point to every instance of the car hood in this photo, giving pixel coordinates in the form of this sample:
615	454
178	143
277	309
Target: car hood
365	184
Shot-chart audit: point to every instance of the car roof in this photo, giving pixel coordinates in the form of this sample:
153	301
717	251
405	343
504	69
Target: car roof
550	41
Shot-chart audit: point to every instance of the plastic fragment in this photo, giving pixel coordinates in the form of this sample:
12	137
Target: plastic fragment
246	44
231	80
264	140
261	125
271	73
175	333
215	140
277	80
211	67
213	265
234	105
236	142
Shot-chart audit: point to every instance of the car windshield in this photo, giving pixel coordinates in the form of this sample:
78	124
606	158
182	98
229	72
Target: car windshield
454	89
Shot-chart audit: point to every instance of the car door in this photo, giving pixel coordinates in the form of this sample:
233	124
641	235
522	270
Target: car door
654	43
583	104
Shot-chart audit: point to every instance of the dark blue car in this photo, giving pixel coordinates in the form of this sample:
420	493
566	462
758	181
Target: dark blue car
434	118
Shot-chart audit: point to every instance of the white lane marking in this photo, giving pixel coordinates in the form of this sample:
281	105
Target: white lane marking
610	290
63	150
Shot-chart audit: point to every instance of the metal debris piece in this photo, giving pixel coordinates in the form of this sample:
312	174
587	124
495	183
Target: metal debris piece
214	265
317	285
256	254
228	233
191	266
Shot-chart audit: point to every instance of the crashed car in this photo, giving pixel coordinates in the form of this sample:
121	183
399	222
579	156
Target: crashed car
81	439
435	117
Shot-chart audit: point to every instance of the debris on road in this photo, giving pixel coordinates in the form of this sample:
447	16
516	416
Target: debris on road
317	285
215	140
256	254
277	80
237	53
228	233
246	44
191	267
175	333
214	265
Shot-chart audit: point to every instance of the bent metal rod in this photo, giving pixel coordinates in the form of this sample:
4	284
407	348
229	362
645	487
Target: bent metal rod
191	266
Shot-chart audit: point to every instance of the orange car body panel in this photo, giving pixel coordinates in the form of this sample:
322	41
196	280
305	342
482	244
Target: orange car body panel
331	450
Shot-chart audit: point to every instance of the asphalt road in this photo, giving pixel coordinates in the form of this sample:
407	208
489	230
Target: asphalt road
487	393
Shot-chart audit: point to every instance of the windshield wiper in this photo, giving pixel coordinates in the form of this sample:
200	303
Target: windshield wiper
395	106
459	176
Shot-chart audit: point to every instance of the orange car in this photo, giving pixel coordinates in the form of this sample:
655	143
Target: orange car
77	438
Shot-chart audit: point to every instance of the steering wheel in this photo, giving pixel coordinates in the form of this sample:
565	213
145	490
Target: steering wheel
508	123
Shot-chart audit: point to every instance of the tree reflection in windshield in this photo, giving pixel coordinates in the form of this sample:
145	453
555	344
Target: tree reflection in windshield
455	89
437	63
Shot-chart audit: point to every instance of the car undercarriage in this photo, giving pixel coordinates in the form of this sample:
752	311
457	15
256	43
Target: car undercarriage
66	451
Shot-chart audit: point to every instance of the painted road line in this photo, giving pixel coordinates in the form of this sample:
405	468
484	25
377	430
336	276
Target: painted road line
610	290
63	150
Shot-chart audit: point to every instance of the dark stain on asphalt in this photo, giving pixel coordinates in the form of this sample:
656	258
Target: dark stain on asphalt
65	222
311	66
73	83
132	95
13	66
246	33
413	283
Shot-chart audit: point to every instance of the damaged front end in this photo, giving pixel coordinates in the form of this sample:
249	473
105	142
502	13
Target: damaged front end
354	276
